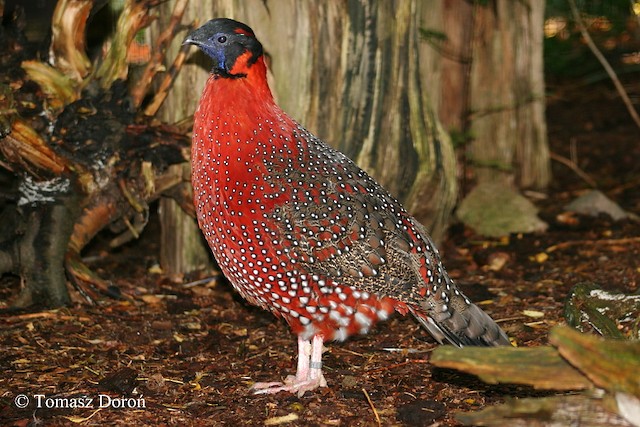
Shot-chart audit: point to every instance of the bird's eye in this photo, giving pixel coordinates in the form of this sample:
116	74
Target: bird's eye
222	39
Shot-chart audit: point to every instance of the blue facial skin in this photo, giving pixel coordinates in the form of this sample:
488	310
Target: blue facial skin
216	51
224	40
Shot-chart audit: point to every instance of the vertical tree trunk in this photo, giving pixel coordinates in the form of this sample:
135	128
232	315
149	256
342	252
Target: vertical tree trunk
497	100
455	56
183	248
507	94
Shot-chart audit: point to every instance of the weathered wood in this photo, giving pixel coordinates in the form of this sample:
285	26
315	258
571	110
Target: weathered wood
59	87
507	94
133	17
181	245
87	162
607	369
25	147
546	412
588	307
47	228
455	54
539	367
182	248
68	40
611	364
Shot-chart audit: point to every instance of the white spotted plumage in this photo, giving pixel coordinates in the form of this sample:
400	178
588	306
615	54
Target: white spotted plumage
300	230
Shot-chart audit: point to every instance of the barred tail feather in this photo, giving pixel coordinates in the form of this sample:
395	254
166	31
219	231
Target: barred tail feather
461	325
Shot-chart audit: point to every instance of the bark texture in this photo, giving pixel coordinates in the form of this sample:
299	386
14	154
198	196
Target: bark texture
507	94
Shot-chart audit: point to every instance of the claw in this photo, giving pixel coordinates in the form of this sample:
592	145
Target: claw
308	375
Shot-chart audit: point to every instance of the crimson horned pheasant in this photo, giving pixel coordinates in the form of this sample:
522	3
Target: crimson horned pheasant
299	229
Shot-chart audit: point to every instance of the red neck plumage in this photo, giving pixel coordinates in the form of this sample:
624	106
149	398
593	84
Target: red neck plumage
245	98
236	126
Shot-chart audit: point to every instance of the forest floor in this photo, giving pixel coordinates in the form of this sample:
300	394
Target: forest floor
185	355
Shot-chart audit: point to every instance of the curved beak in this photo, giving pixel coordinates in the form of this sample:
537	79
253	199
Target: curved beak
197	36
190	40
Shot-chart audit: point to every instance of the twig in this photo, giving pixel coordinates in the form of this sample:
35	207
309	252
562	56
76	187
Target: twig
208	279
407	350
155	64
508	319
574	167
31	316
635	182
570	243
167	82
573	150
592	46
344	350
285	419
386	368
76	419
373	408
55	314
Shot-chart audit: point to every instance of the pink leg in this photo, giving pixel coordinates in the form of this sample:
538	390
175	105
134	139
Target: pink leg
308	375
304	352
315	366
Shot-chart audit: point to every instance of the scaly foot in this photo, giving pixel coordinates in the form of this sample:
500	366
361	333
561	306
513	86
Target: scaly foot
308	375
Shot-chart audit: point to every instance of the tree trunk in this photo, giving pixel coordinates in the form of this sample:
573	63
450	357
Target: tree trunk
354	74
455	56
507	94
504	116
182	246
